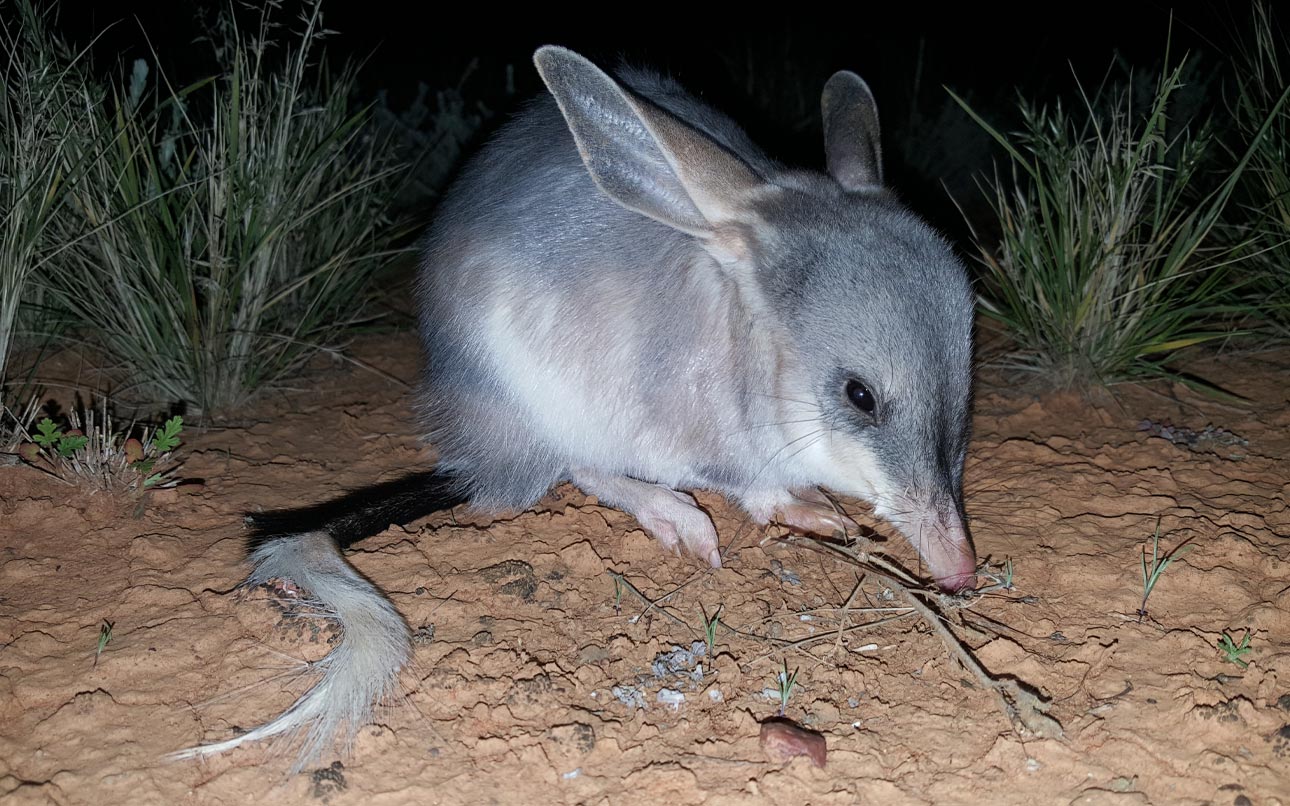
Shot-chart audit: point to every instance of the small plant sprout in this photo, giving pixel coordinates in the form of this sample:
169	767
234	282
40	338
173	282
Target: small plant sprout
93	452
105	636
1234	652
618	595
144	458
1151	572
1000	575
51	438
710	624
787	682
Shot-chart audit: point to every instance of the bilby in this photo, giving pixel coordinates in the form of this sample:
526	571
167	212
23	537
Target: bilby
623	291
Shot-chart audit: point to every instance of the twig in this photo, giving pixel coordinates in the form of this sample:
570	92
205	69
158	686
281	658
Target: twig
650	604
1024	709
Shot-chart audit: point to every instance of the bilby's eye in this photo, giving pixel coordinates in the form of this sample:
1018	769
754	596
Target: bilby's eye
861	397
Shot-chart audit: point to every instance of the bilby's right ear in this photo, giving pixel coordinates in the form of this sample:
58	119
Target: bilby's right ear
641	156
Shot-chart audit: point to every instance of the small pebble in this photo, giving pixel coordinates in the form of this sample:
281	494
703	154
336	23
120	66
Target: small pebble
782	741
630	696
671	698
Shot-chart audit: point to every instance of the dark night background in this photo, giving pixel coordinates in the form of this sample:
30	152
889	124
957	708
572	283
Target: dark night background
766	67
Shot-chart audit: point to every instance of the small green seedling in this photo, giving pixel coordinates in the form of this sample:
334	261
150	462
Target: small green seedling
1152	572
1000	576
144	457
51	438
710	624
787	683
1233	652
105	635
101	456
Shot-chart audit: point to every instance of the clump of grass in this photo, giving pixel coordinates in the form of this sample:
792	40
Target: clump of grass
785	683
94	453
37	122
1106	264
14	424
233	226
710	624
1263	224
1233	652
105	636
1151	572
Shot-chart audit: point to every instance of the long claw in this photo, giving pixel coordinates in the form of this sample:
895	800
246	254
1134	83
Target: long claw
815	518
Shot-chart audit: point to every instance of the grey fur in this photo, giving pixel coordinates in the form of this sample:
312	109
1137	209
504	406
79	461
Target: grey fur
653	305
359	673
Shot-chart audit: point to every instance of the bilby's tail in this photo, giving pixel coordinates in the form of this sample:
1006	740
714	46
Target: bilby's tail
304	545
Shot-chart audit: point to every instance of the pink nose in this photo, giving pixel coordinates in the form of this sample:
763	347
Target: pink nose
957	583
945	549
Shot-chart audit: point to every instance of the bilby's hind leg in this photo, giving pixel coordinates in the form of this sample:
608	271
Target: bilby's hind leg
808	510
670	516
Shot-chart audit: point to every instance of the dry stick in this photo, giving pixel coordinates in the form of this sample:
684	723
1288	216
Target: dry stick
652	604
782	643
785	643
655	604
1025	710
844	613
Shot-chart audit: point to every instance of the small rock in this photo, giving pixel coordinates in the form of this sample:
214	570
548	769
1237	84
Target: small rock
671	698
782	741
630	696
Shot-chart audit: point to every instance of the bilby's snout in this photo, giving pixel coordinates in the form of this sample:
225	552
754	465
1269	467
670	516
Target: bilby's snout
940	536
943	544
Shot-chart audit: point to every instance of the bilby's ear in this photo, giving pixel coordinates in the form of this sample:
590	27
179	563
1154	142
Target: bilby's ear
851	138
641	156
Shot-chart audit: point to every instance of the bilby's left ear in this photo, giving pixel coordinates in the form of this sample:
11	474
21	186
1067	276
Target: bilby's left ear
851	138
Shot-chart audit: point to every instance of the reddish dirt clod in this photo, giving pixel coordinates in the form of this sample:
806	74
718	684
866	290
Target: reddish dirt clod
783	740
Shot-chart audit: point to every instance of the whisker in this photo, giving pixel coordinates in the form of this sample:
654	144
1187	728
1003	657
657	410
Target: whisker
785	399
772	425
773	457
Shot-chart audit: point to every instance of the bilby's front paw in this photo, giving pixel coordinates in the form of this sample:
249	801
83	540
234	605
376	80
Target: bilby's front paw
816	518
680	523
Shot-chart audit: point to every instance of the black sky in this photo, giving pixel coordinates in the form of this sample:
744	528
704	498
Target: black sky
972	44
766	67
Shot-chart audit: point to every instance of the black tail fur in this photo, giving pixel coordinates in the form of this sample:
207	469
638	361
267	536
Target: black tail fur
363	512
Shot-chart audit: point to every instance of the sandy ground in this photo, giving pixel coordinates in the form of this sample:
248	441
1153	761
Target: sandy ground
535	683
